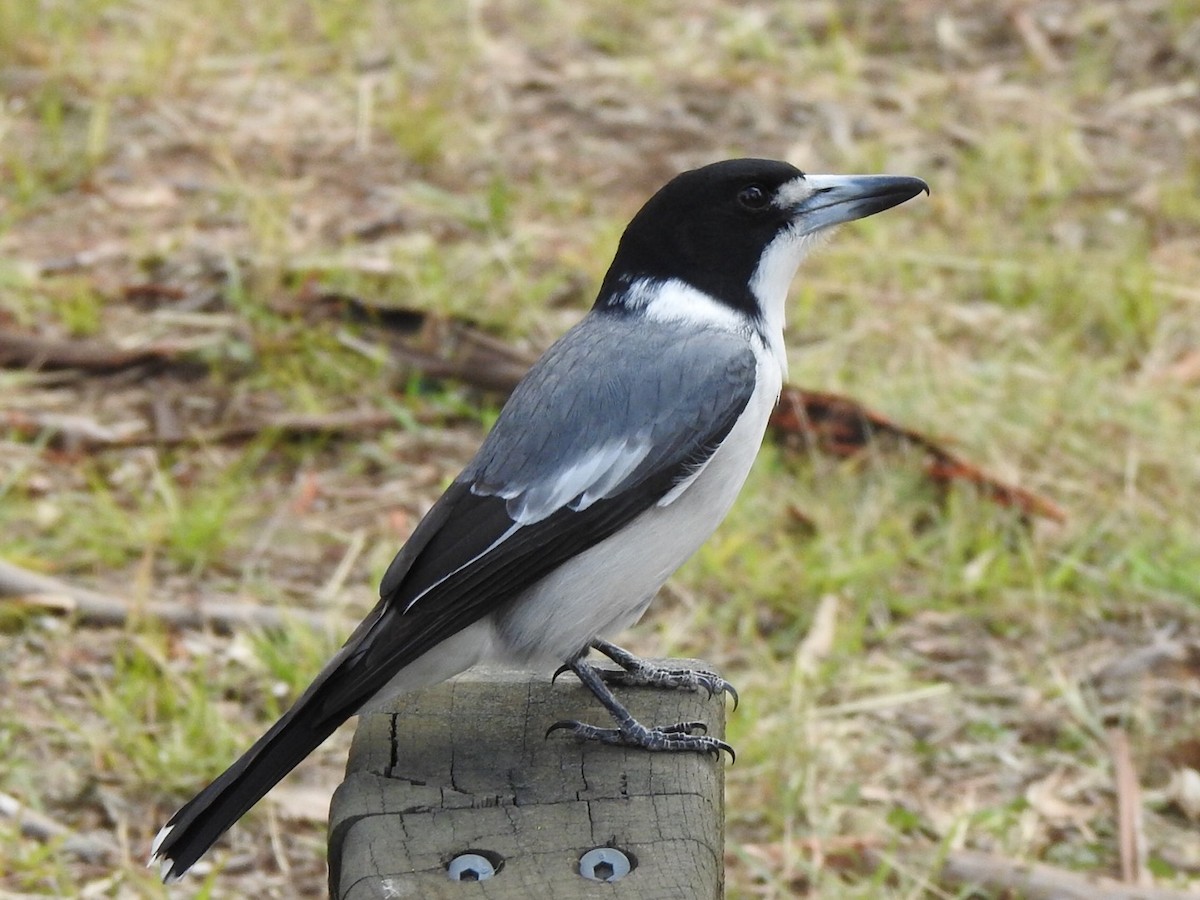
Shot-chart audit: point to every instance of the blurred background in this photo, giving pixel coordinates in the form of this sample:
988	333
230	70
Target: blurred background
238	240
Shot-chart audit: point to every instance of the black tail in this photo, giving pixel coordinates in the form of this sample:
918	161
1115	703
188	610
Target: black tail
456	536
335	695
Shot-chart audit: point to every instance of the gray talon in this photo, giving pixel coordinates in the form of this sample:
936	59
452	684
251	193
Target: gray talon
672	738
681	736
636	672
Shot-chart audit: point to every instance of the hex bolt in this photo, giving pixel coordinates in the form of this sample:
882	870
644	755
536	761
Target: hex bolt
604	864
470	867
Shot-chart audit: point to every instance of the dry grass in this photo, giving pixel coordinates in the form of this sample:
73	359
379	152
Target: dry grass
1041	308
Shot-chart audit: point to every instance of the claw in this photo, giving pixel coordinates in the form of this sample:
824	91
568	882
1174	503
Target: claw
636	672
559	726
677	737
560	670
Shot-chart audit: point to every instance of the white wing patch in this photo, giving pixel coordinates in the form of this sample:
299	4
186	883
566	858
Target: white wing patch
579	485
623	464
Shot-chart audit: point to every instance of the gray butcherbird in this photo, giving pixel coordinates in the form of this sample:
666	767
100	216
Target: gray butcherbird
612	462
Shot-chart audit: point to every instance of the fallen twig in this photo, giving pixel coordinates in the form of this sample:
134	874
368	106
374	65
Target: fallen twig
67	432
1038	881
75	433
1034	38
969	869
40	827
357	421
44	593
841	426
152	290
477	365
1131	835
1166	655
33	352
436	346
83	259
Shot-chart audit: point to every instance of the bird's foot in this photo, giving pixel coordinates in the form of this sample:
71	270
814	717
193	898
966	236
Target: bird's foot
629	732
668	738
636	672
649	675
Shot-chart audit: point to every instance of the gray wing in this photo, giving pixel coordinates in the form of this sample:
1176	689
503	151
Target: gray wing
608	406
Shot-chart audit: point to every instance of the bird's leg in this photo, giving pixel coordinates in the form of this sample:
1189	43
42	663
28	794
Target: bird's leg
636	672
629	731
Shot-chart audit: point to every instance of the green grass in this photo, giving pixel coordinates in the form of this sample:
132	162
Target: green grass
1035	313
145	693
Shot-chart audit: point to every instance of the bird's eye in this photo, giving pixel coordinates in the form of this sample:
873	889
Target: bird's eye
753	197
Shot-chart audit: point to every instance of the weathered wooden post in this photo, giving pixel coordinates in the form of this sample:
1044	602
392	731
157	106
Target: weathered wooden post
460	779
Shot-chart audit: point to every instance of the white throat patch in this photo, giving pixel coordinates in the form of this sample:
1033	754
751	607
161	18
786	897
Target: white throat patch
675	301
771	282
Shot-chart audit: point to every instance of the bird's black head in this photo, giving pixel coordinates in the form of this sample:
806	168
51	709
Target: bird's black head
736	230
707	227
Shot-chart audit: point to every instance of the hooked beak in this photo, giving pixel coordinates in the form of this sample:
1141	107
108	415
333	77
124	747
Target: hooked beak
834	199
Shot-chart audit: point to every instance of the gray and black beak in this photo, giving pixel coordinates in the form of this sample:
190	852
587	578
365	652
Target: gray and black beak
822	201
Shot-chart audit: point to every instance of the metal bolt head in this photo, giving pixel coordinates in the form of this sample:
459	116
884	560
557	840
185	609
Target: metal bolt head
470	867
604	864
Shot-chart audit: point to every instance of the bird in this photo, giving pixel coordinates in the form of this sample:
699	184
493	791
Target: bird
611	463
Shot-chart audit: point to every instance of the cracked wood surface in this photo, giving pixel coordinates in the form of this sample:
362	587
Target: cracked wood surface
465	766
